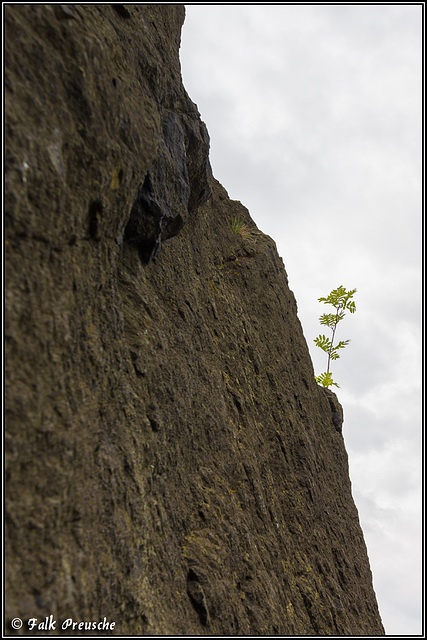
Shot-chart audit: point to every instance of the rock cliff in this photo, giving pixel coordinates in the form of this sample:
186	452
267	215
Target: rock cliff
171	463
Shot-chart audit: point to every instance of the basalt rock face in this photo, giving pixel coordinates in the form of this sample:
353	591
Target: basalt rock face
171	463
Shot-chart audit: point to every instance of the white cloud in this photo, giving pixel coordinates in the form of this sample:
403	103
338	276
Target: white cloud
389	502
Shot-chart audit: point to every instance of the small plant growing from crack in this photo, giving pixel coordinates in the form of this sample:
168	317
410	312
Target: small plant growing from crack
341	300
236	225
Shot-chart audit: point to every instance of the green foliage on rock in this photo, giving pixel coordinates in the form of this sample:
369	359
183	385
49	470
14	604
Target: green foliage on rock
236	225
341	300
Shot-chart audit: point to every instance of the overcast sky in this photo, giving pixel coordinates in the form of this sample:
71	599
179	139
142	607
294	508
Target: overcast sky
314	114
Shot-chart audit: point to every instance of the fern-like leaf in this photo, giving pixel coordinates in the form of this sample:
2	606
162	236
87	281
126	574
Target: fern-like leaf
324	343
341	344
331	319
325	379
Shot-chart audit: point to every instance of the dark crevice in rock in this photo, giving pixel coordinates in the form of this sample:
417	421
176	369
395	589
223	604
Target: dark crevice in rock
95	217
197	596
121	10
337	416
146	222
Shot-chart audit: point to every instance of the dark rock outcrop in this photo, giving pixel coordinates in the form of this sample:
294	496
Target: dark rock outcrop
171	462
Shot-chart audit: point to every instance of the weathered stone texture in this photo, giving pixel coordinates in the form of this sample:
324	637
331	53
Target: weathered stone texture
171	462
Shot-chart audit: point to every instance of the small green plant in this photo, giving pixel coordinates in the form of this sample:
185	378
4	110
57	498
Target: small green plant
341	300
236	225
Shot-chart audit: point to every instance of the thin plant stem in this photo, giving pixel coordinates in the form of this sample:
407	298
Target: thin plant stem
333	336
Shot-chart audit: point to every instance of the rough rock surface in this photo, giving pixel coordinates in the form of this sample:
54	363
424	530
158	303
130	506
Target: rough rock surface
171	463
